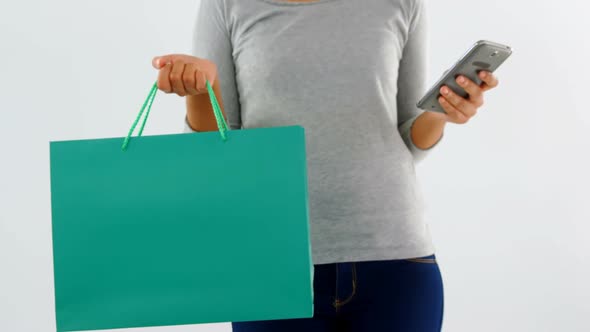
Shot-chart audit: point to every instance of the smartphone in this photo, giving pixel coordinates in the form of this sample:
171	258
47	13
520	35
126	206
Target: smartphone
483	55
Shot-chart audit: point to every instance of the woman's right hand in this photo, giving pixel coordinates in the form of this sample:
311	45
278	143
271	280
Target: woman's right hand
184	74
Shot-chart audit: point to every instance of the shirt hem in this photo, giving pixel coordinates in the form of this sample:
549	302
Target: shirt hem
373	254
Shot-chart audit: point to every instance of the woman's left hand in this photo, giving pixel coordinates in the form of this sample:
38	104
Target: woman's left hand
459	110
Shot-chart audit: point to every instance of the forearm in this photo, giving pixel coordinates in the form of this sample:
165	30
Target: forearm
199	111
427	130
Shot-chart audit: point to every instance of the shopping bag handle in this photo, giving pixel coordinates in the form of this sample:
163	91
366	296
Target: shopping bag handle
147	104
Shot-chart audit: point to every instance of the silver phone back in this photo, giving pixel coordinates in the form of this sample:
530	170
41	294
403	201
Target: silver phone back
483	55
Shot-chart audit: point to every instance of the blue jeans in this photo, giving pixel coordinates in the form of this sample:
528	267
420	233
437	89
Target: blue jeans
404	295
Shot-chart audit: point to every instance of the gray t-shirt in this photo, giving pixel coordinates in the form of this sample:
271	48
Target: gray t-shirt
350	72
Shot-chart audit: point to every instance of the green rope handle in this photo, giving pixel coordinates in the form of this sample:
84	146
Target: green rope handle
221	124
147	104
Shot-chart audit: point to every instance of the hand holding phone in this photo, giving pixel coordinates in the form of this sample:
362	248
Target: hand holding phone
483	55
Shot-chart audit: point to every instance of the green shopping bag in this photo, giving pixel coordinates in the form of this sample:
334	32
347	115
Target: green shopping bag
181	229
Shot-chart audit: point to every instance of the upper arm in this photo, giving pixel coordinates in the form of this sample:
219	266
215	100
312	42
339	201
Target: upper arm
413	70
211	40
413	64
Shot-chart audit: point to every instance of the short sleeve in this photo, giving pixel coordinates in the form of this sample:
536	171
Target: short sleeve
412	76
211	40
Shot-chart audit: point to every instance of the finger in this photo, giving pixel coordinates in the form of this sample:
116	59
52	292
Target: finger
160	61
460	103
490	81
156	63
475	91
453	113
164	79
188	78
201	81
176	78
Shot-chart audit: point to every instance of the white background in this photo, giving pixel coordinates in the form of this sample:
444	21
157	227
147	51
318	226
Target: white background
507	194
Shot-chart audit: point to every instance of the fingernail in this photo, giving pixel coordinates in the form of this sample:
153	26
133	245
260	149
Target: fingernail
484	74
445	91
461	79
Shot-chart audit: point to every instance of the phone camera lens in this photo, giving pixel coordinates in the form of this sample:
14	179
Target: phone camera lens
495	53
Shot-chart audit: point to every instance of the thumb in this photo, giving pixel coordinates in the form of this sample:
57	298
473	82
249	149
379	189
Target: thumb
160	61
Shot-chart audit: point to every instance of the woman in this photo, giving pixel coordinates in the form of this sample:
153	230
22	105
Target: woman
350	72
